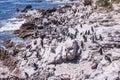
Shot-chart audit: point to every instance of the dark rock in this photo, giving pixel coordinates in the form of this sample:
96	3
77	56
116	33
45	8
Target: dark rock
27	35
16	32
17	10
8	44
19	46
87	76
3	53
24	10
28	7
27	30
15	51
28	26
117	78
51	10
87	2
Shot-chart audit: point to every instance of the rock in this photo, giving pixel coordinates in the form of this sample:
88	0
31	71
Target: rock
17	10
54	78
15	52
87	2
85	55
3	54
73	51
69	37
24	10
28	7
64	77
8	44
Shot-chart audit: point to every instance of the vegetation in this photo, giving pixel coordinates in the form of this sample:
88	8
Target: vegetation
105	4
115	1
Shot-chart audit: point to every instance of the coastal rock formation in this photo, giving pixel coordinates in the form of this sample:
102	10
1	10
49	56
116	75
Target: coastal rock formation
71	42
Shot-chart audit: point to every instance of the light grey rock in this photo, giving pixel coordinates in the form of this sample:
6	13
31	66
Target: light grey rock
54	78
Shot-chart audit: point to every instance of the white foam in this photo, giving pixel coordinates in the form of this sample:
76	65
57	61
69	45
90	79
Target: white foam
12	24
32	12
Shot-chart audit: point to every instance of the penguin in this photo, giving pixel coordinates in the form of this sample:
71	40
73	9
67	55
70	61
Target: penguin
35	66
101	51
35	42
100	37
82	45
107	57
25	57
27	75
85	38
88	32
93	39
81	26
92	29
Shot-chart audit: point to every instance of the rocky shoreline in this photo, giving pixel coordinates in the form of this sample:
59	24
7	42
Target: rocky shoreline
71	42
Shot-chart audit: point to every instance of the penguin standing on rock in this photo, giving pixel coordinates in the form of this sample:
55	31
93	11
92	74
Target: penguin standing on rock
88	32
82	45
85	38
101	51
92	29
81	26
27	75
100	37
35	66
107	57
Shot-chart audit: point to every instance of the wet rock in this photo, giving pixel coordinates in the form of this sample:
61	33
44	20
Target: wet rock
28	7
24	10
8	44
3	54
17	10
15	52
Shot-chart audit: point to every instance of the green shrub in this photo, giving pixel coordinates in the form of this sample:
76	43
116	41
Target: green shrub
105	4
115	1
